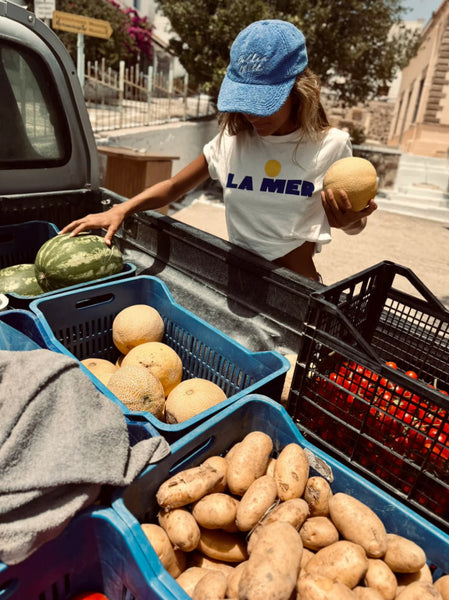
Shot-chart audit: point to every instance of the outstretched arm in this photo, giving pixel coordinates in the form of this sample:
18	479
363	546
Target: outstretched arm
342	216
156	196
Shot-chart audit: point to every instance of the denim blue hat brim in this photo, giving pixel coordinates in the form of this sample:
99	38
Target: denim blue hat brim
251	98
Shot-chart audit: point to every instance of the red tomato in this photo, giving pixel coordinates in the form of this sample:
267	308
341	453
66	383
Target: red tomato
391	364
412	374
386	384
89	596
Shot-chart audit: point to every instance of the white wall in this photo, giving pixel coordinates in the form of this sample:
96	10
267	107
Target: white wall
185	140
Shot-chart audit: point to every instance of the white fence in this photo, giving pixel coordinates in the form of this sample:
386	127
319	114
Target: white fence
130	98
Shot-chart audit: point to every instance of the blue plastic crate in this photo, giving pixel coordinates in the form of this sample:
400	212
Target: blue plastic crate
96	552
81	323
20	243
28	334
137	502
24	323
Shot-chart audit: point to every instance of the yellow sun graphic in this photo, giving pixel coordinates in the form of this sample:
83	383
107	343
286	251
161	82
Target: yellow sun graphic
272	168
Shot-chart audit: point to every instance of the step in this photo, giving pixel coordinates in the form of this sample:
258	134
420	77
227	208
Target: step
398	204
421	194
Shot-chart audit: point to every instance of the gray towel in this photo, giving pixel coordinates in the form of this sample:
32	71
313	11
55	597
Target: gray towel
61	440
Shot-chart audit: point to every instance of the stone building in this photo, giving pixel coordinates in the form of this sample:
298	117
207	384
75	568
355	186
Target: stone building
420	121
372	118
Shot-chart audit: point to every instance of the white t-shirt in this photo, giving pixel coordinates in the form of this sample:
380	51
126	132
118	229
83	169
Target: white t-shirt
272	192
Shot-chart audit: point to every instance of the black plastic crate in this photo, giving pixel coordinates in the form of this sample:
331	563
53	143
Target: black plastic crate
371	383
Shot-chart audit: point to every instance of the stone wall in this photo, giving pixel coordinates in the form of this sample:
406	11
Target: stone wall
385	161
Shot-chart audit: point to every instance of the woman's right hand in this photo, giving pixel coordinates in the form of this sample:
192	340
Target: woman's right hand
110	220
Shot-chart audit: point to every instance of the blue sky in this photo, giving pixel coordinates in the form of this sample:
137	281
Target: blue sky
421	9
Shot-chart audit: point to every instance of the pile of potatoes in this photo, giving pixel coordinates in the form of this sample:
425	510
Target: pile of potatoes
247	526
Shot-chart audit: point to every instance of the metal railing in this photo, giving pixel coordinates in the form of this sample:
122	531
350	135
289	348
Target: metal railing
130	98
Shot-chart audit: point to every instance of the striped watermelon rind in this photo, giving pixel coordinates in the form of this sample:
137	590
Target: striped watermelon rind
20	279
64	260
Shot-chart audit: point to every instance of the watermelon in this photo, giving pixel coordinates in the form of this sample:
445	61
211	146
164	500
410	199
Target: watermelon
20	279
63	260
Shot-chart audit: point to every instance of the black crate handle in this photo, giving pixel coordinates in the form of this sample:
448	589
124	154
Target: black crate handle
385	272
317	307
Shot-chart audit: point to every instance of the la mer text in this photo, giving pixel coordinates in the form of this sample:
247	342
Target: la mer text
296	187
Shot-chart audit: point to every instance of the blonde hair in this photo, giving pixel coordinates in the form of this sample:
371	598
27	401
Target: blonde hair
311	118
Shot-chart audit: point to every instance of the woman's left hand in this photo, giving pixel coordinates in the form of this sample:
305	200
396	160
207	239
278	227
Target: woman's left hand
342	216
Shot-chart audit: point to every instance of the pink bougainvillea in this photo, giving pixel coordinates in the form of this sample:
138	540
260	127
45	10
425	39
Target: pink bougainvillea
139	31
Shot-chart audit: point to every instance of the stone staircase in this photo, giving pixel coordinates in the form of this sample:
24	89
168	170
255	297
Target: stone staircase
420	189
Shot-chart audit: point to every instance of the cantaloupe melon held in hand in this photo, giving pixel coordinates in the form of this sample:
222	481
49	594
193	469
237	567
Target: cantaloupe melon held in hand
356	176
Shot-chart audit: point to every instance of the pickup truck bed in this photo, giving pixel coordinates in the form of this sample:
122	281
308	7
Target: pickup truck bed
259	305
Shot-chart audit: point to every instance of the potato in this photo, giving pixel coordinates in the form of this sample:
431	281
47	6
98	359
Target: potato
403	555
181	528
211	587
221	465
232	450
358	523
442	585
367	593
380	577
181	560
318	587
273	565
190	577
188	486
215	510
271	466
232	527
222	545
424	574
294	511
255	502
343	560
260	580
420	590
248	461
232	589
317	493
306	556
161	544
318	532
291	472
196	559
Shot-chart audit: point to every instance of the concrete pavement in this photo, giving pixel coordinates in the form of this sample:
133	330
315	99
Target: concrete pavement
419	244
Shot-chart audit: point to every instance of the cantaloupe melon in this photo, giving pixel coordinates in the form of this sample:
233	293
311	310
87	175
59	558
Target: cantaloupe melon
160	359
190	398
356	176
136	324
102	369
138	389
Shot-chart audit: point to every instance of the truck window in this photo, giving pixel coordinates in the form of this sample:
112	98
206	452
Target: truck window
33	128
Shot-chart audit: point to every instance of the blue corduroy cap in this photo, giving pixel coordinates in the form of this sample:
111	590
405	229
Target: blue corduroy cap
266	57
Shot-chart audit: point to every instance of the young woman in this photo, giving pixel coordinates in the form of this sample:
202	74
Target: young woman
270	156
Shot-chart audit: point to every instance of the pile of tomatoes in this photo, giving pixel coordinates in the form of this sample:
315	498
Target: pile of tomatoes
404	433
